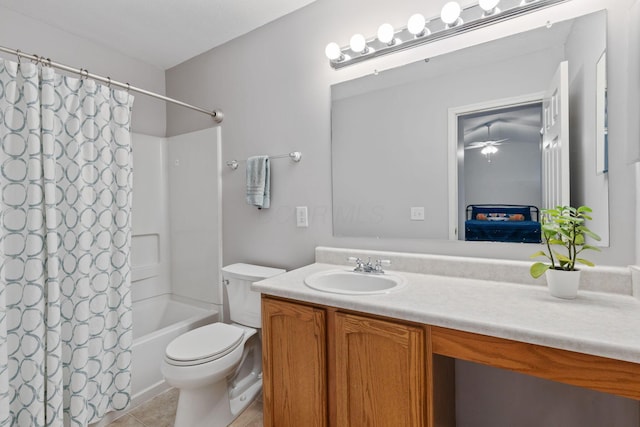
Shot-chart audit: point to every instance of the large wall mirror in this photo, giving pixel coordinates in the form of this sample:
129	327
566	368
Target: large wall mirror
414	146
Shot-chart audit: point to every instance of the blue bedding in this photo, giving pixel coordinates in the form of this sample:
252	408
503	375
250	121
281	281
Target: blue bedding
502	223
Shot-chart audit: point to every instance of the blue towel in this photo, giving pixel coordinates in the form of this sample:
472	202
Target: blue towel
258	182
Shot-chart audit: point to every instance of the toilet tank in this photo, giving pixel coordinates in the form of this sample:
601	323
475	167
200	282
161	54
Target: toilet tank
244	304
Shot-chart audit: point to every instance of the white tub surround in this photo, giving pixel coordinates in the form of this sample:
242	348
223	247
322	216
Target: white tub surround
595	323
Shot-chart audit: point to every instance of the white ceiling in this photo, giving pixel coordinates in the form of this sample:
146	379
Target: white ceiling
163	33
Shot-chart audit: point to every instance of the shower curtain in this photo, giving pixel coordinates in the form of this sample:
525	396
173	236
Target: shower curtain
65	237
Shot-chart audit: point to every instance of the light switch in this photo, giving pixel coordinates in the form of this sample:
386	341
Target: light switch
417	213
302	216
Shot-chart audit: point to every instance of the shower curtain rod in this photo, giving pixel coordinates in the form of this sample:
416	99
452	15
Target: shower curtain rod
217	115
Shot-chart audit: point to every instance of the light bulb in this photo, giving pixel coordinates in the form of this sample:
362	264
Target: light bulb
450	13
416	24
358	44
386	33
490	149
333	51
489	6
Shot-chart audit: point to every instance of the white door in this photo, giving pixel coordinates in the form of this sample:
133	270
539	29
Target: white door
555	140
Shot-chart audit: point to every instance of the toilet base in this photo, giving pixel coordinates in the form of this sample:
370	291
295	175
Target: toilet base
195	408
204	407
240	403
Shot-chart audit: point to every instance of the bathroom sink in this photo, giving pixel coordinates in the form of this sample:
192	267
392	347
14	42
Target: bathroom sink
354	283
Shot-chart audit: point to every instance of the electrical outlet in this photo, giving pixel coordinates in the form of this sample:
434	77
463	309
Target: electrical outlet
302	216
417	213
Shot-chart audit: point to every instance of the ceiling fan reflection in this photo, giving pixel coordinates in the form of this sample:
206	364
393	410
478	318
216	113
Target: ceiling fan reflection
487	147
487	143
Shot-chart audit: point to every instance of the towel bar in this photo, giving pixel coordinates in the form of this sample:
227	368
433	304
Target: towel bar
294	156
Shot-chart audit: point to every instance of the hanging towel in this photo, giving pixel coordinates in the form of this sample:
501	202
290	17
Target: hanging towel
258	182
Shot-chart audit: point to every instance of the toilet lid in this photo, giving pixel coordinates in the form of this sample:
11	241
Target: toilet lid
204	344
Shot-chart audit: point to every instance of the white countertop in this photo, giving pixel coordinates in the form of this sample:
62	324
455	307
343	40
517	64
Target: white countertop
596	323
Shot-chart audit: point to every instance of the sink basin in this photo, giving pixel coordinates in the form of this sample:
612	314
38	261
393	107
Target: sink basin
353	283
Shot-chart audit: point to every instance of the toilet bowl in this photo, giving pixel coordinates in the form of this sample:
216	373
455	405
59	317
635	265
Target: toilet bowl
218	367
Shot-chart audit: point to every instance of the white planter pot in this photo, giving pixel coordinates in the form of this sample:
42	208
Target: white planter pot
563	284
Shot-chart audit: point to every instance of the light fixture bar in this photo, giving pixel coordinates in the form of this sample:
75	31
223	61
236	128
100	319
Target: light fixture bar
471	18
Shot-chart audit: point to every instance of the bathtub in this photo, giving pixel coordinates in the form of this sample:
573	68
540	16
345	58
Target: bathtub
156	322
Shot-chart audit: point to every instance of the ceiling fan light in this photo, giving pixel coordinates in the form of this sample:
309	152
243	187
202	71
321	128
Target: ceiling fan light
489	149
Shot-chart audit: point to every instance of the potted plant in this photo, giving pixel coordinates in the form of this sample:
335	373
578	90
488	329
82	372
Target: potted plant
564	227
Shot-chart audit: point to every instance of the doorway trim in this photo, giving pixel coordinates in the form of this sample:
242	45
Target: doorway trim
452	157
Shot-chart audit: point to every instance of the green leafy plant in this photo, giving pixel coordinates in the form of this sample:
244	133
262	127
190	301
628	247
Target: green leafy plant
564	227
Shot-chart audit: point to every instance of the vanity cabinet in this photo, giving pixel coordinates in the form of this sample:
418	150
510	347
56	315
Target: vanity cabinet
379	373
294	364
326	366
385	362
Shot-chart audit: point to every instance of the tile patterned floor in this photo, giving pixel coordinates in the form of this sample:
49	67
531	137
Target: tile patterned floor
161	412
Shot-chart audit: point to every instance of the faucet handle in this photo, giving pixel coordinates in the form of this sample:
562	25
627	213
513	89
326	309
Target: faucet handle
359	263
380	263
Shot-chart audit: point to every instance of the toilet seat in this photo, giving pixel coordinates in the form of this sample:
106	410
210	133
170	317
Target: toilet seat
204	344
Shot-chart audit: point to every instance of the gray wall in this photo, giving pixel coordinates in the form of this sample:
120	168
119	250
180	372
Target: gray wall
512	176
487	396
633	79
583	51
274	85
34	37
390	146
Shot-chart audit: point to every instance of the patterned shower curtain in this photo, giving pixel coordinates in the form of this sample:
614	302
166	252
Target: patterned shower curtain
65	238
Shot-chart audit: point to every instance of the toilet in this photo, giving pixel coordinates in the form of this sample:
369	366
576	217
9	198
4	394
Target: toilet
218	367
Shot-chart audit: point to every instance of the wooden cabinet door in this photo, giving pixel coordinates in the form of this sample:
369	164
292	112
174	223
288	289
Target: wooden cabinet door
294	364
380	373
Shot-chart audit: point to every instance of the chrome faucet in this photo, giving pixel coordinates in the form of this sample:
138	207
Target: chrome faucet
367	267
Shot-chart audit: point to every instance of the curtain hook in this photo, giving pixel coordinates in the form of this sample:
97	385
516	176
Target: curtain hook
109	82
18	54
128	87
49	63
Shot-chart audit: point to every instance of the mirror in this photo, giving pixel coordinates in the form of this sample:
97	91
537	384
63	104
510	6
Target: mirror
602	119
398	173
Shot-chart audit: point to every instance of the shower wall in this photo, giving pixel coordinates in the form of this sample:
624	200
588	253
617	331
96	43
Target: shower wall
194	212
150	251
176	216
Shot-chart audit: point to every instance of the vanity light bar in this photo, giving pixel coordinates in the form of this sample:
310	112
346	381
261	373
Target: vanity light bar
452	21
